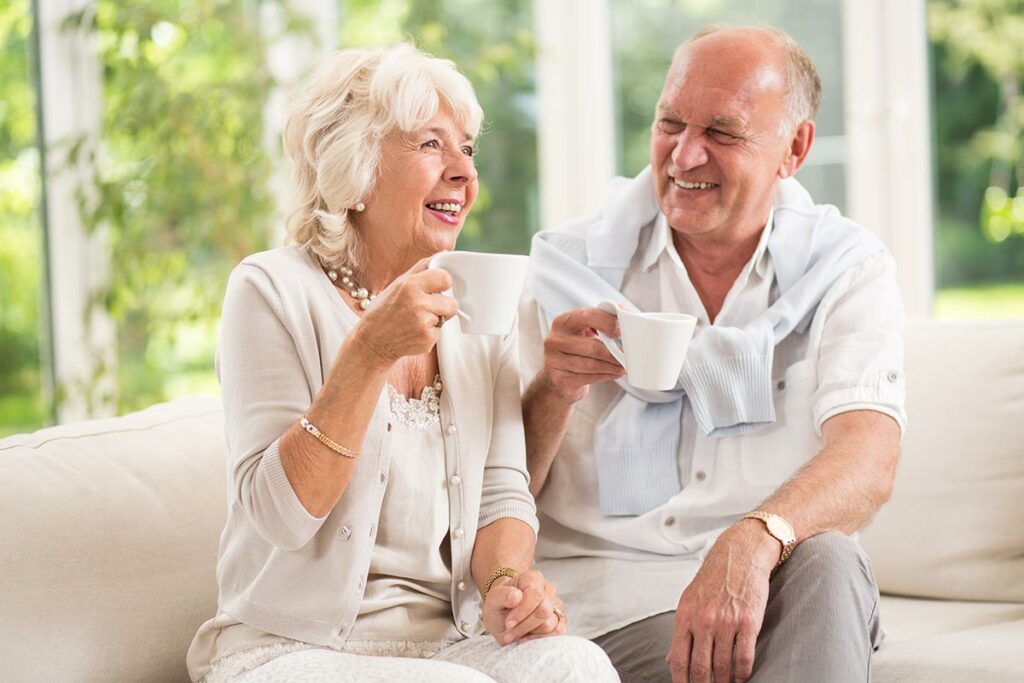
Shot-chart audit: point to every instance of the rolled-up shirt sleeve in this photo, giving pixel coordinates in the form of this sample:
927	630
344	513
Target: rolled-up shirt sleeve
506	483
265	391
860	359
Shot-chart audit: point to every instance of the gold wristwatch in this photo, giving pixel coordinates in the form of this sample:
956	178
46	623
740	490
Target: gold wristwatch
780	530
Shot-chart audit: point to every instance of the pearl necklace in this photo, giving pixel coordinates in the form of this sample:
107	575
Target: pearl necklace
360	294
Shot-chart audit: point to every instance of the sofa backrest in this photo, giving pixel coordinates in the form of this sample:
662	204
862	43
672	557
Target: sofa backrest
109	533
954	527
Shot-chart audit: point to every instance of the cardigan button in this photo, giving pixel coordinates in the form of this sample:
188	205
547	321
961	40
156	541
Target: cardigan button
458	533
461	585
466	626
456	480
451	428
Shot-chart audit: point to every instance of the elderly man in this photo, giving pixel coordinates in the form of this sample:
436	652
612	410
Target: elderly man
703	533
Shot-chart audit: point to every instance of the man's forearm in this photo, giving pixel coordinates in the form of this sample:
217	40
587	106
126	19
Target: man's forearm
846	483
545	419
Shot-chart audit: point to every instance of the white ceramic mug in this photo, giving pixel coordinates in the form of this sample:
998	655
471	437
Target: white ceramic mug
653	345
487	286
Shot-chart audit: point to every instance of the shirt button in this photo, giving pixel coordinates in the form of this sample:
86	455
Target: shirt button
389	426
461	585
781	384
456	480
451	428
373	527
701	476
458	533
669	521
383	476
344	532
892	377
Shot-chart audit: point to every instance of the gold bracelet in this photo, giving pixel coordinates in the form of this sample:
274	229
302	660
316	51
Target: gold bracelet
495	575
322	438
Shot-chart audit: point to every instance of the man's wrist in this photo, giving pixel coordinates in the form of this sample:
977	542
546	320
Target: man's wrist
552	396
765	548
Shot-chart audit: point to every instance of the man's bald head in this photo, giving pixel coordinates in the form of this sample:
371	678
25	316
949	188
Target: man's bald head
773	52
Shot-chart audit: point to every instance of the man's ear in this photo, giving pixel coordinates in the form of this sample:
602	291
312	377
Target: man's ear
796	152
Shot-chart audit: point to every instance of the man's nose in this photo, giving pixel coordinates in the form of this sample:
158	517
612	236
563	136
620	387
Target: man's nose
690	151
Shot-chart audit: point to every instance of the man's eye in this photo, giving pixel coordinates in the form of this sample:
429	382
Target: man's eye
723	137
670	126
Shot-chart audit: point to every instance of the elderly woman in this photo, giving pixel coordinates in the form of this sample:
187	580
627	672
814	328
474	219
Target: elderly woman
379	518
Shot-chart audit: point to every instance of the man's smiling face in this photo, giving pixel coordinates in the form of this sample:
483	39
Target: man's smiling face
716	148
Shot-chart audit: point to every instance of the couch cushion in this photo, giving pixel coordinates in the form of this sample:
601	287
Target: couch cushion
954	528
985	654
909	618
109	531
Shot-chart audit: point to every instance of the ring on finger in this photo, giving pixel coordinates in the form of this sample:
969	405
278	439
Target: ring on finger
559	612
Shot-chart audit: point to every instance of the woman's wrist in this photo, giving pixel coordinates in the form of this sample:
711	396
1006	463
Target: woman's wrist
366	354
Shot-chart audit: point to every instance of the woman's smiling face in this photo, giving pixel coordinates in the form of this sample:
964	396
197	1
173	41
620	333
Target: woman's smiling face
425	187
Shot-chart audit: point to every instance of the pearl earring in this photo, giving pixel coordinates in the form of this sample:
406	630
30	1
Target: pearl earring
360	207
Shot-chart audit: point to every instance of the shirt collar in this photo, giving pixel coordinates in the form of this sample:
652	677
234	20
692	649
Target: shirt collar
661	241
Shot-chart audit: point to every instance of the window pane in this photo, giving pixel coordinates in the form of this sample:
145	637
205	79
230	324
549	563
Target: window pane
492	42
645	34
978	77
21	259
182	181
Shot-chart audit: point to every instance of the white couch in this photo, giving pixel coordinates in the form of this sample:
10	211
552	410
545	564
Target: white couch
109	529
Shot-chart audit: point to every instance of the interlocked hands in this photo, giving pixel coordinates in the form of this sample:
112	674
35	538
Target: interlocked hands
523	608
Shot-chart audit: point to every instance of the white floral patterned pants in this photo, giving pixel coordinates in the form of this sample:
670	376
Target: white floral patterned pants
558	659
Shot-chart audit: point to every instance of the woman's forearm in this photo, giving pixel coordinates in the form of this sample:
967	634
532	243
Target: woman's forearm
342	410
508	542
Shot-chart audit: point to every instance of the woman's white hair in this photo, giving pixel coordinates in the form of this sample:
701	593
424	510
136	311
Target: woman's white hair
334	131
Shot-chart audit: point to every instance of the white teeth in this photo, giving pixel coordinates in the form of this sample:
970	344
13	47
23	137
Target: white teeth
693	186
450	207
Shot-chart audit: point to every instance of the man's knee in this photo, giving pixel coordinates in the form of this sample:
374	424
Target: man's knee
831	550
824	562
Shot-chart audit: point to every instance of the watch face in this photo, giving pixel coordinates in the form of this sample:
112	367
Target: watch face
779	528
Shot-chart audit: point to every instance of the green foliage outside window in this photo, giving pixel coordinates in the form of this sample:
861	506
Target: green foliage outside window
21	403
978	67
181	178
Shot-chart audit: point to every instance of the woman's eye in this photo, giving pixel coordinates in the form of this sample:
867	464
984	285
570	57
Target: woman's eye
433	144
468	151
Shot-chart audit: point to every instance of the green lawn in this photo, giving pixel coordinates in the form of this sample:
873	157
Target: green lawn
997	300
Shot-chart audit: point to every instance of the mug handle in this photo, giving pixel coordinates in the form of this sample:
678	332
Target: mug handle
614	346
437	261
